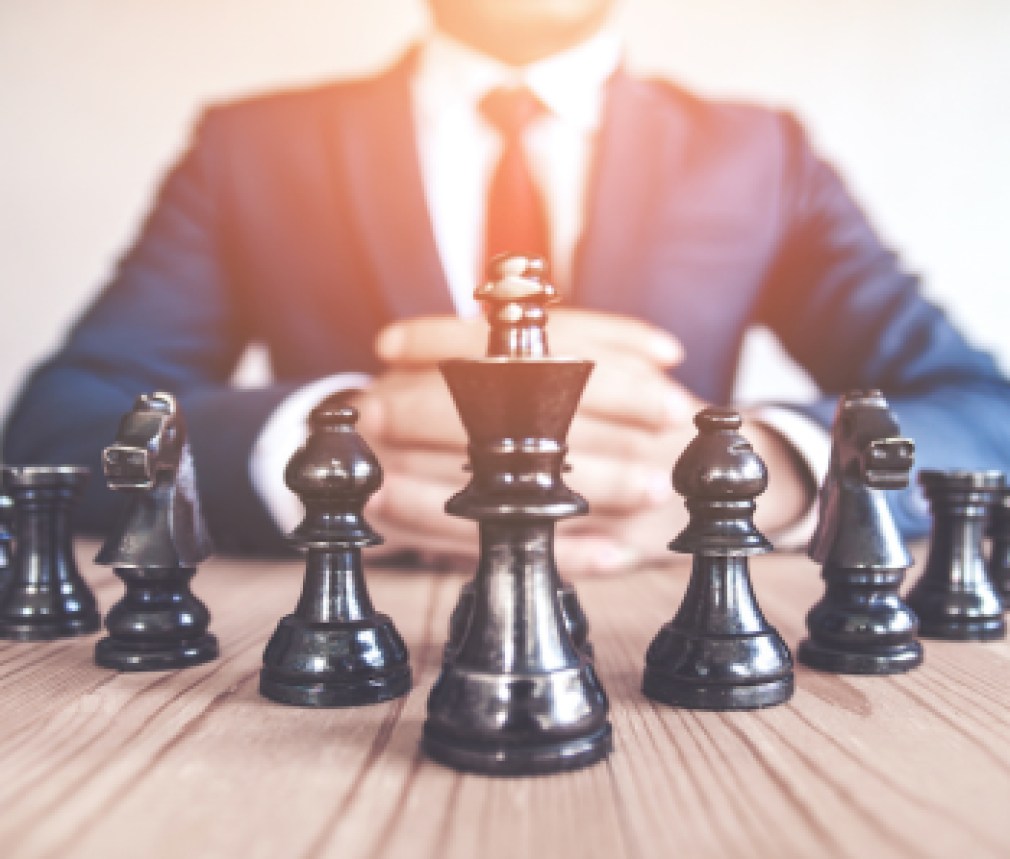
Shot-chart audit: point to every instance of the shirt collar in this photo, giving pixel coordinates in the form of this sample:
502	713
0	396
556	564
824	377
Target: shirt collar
570	83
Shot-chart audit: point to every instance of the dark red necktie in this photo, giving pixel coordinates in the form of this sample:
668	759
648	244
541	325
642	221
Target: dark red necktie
516	218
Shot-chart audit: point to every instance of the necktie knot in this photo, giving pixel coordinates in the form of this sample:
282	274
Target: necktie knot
511	110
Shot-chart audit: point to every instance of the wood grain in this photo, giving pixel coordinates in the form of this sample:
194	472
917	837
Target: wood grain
195	763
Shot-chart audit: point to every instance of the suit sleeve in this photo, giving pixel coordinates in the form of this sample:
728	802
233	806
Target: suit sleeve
170	319
844	308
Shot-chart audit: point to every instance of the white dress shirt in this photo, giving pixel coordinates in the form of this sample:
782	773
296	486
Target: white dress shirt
458	150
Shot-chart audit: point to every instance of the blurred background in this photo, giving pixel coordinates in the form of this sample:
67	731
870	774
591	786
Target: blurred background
909	98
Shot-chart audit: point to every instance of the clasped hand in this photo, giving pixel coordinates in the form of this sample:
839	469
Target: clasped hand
632	423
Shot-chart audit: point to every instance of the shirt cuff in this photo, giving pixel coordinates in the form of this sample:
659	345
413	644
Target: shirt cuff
812	444
283	433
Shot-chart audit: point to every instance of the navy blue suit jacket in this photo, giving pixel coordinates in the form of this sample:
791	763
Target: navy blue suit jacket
298	220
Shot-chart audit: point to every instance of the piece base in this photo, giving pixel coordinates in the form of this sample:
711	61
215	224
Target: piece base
120	656
513	760
335	693
833	661
49	630
692	696
977	629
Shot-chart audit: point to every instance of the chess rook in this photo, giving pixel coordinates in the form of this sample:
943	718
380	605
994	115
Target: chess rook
6	535
861	625
335	650
159	623
45	597
955	598
999	559
515	695
719	652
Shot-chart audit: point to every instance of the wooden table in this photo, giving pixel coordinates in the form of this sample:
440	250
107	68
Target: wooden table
196	764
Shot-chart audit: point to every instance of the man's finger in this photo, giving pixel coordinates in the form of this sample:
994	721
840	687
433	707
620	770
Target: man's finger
628	394
429	339
591	333
413	506
438	466
579	333
592	435
411	409
617	487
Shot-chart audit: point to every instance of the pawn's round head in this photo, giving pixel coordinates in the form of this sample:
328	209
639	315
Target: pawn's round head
719	464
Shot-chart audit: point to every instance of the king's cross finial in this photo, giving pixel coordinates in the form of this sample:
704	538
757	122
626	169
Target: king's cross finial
515	299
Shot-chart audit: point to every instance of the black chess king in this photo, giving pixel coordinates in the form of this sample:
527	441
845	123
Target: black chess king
161	537
516	695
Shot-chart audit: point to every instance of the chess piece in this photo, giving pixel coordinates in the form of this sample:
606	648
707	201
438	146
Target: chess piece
510	337
861	625
719	652
515	695
572	615
955	598
155	548
335	650
6	536
999	558
46	596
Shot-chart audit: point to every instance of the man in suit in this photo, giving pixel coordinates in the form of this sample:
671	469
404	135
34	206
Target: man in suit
344	227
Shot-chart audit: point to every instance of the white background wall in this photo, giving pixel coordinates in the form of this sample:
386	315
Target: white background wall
910	97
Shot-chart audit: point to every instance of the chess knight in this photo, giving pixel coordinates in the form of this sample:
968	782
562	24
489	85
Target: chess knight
862	626
155	549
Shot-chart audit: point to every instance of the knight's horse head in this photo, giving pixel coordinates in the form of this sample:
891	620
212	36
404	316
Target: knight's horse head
867	445
150	442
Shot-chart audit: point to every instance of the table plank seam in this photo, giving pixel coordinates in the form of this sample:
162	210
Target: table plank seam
422	656
884	776
956	727
839	790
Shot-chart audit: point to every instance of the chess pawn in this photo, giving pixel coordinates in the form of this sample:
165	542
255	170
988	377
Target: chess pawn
46	597
6	536
955	598
861	625
999	559
515	695
335	650
160	539
719	652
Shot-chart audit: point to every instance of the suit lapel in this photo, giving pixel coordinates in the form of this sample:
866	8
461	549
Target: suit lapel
640	143
374	143
376	170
